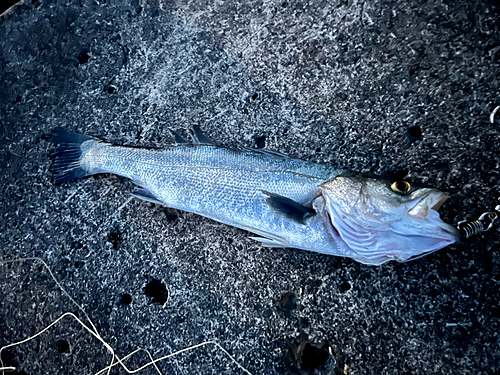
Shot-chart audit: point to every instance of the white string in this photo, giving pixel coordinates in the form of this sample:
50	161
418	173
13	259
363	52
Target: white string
115	360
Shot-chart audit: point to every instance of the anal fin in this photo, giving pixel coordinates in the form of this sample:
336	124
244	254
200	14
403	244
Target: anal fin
267	239
146	195
267	242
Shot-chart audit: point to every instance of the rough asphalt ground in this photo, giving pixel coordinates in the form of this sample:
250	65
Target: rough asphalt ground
401	88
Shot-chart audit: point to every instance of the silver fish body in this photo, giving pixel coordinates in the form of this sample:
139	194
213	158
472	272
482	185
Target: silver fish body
224	185
286	202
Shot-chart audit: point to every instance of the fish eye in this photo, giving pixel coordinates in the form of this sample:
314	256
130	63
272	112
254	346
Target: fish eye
401	187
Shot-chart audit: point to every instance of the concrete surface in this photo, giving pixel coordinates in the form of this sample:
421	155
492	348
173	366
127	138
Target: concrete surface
377	86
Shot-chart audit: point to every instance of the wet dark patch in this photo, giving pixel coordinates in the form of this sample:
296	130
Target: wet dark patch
303	322
310	357
76	245
267	313
115	239
79	264
313	285
157	290
126	299
287	301
62	346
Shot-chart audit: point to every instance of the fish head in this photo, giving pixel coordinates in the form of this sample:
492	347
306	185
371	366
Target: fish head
379	220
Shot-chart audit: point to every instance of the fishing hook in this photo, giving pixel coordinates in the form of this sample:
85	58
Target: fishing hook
484	223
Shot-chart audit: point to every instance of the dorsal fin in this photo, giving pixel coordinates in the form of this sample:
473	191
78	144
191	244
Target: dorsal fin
199	138
178	140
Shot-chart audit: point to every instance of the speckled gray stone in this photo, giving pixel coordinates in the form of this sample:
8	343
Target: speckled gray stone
337	82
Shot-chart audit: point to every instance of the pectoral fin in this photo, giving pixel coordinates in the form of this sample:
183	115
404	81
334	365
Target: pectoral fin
288	208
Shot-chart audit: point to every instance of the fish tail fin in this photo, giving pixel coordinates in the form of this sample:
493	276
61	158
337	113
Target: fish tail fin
68	154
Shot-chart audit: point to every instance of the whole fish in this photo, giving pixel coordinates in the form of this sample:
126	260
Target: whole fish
286	202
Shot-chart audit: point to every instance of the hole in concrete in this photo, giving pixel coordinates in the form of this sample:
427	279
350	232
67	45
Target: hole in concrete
345	286
83	57
115	239
157	290
415	132
126	299
111	90
62	346
171	214
255	96
261	142
310	357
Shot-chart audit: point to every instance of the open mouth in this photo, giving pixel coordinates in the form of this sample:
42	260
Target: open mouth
433	200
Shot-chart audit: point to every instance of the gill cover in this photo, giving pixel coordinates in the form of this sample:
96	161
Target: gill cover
378	223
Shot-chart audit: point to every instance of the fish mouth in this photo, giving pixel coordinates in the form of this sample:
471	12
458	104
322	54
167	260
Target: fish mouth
432	200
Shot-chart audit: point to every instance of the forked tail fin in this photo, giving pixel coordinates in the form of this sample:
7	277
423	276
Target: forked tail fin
68	154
